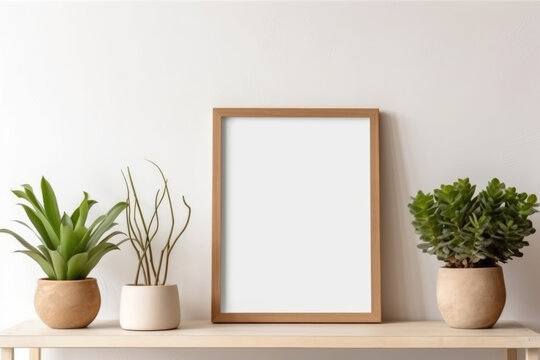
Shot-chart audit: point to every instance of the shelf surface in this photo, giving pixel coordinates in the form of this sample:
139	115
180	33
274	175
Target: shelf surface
203	334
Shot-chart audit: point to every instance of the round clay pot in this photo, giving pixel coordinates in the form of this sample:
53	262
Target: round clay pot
67	304
149	307
471	298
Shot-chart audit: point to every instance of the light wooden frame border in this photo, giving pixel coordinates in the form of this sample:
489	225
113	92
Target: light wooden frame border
372	317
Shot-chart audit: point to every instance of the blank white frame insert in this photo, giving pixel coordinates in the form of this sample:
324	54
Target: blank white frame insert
295	236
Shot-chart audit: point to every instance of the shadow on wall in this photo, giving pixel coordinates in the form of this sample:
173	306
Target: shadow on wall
401	300
407	275
521	280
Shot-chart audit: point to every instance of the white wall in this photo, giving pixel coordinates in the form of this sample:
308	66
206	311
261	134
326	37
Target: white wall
89	88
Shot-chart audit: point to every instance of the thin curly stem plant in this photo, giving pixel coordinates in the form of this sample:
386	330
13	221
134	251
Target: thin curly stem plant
142	232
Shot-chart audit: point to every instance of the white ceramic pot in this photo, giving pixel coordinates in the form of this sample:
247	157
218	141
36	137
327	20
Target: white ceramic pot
471	298
149	307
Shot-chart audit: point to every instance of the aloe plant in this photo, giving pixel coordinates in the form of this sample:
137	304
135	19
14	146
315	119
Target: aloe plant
69	250
468	231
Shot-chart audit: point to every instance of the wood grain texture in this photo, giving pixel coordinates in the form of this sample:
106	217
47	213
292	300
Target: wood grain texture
203	334
8	354
511	354
531	354
35	353
216	215
375	219
219	114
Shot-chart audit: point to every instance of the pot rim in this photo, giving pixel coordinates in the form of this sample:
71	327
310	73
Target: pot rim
89	279
477	269
150	286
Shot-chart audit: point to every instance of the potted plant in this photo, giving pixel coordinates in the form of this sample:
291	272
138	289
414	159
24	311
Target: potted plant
69	250
472	234
150	303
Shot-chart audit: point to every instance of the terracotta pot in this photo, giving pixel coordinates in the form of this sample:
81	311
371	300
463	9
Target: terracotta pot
471	298
149	307
67	304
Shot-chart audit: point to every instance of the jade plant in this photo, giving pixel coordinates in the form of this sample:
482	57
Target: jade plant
69	250
468	231
152	266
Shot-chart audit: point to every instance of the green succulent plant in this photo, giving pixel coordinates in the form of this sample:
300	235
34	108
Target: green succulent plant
467	231
69	250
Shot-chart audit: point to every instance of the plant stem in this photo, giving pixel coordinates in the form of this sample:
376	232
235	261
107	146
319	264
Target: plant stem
141	233
141	216
130	228
169	250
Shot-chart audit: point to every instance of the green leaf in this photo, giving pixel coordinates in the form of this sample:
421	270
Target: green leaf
50	205
75	215
83	213
111	235
46	253
86	237
59	265
105	224
29	228
97	252
31	197
38	226
76	266
68	241
41	223
424	246
121	242
101	249
465	230
64	238
20	239
43	263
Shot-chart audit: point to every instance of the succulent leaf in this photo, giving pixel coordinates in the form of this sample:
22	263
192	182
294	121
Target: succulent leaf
68	250
50	204
42	261
465	230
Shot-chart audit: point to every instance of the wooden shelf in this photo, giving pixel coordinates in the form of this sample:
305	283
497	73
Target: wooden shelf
202	334
510	336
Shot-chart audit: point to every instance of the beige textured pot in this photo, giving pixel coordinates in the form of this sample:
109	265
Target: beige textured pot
67	304
149	307
471	298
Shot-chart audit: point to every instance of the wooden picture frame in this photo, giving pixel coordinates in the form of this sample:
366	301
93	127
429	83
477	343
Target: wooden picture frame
271	265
